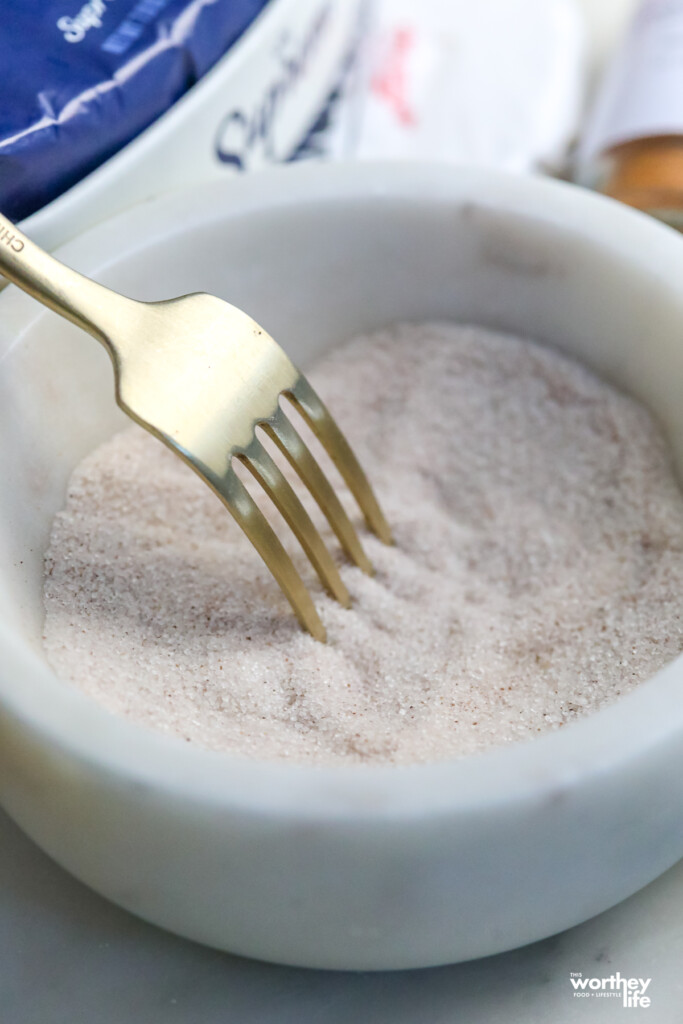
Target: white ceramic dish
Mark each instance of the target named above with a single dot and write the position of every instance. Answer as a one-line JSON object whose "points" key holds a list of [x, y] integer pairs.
{"points": [[359, 867]]}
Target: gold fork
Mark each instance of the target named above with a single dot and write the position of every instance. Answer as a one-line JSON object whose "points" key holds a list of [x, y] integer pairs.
{"points": [[201, 375]]}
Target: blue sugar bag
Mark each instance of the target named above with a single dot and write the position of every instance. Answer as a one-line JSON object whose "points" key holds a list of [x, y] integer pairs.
{"points": [[81, 78]]}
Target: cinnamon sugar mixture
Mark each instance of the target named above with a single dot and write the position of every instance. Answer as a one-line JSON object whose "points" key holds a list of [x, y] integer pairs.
{"points": [[537, 571]]}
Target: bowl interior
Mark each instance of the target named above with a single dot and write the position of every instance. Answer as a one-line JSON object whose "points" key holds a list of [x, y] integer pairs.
{"points": [[316, 258]]}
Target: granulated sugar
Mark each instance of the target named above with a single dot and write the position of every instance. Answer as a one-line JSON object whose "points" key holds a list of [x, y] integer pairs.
{"points": [[536, 574]]}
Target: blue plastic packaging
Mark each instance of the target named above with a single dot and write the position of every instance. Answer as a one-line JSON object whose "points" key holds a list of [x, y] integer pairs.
{"points": [[81, 78]]}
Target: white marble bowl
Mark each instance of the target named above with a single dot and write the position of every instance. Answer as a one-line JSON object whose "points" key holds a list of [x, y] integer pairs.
{"points": [[346, 867]]}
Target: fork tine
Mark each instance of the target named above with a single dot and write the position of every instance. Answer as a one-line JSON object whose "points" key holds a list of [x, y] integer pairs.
{"points": [[337, 447], [259, 462], [290, 443], [250, 518]]}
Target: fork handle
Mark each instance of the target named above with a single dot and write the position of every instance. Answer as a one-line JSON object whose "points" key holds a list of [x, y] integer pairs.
{"points": [[84, 302]]}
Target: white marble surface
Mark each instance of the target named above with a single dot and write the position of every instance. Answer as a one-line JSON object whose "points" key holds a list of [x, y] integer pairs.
{"points": [[68, 956]]}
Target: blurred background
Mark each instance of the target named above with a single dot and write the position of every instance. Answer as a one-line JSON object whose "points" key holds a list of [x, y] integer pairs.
{"points": [[112, 103]]}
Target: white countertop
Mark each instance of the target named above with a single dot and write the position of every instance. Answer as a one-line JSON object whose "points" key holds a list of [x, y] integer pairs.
{"points": [[67, 956]]}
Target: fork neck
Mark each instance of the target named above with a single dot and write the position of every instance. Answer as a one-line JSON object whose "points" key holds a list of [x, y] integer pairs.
{"points": [[87, 304]]}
